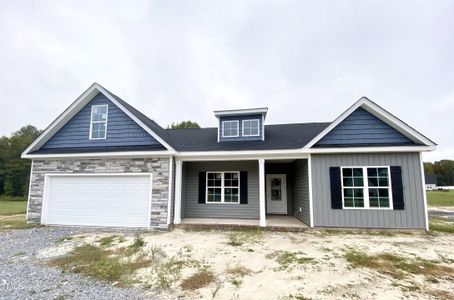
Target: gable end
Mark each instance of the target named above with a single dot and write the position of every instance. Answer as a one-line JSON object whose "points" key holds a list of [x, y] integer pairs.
{"points": [[361, 128], [122, 131]]}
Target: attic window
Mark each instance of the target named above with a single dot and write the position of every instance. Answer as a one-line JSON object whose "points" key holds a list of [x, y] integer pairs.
{"points": [[230, 128], [98, 122], [251, 127]]}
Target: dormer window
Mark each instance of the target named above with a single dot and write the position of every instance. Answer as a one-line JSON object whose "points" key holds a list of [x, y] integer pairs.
{"points": [[98, 122], [251, 127], [230, 128]]}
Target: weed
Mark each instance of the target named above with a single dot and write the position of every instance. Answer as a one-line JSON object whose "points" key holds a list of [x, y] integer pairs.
{"points": [[198, 280], [445, 227], [64, 239], [241, 237], [99, 263], [238, 270], [236, 282], [287, 259], [397, 266], [107, 241]]}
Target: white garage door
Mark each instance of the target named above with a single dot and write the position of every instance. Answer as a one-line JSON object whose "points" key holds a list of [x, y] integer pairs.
{"points": [[97, 200]]}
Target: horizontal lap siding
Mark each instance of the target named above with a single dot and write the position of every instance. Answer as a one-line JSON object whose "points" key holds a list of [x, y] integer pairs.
{"points": [[413, 216], [121, 129], [361, 127], [192, 209], [301, 190]]}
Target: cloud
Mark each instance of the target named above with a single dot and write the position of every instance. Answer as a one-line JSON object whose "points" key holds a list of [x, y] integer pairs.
{"points": [[180, 60]]}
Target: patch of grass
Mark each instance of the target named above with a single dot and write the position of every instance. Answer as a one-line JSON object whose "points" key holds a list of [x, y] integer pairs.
{"points": [[99, 263], [441, 225], [8, 206], [135, 247], [240, 237], [14, 222], [200, 279], [397, 266], [236, 282], [438, 198], [107, 241], [288, 259], [64, 239], [238, 270]]}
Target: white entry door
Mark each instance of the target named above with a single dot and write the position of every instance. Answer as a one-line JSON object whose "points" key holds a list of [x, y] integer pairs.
{"points": [[276, 193]]}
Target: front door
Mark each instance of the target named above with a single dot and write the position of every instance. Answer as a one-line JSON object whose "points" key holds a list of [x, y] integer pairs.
{"points": [[276, 194]]}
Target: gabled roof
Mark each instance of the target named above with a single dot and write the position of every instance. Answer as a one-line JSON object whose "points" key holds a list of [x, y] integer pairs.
{"points": [[381, 114], [279, 136], [147, 124]]}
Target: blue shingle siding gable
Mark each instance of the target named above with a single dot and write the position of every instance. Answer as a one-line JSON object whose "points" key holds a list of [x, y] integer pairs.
{"points": [[240, 119], [361, 128], [122, 131]]}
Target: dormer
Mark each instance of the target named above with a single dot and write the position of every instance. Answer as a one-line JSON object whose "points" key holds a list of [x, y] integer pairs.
{"points": [[241, 124]]}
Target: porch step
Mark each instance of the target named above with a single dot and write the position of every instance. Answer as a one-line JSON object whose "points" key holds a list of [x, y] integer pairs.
{"points": [[203, 226]]}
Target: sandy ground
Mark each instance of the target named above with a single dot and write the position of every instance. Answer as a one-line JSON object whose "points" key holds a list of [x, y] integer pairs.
{"points": [[325, 275]]}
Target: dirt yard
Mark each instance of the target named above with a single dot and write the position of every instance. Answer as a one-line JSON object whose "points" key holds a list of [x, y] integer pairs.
{"points": [[265, 265]]}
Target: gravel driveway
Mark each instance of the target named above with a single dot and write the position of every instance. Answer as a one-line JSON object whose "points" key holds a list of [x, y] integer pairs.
{"points": [[22, 276]]}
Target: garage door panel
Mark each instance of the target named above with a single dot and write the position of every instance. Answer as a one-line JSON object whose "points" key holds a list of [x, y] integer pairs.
{"points": [[98, 200]]}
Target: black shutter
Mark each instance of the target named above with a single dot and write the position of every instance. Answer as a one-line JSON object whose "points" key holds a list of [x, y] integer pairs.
{"points": [[202, 186], [243, 187], [397, 188], [336, 187]]}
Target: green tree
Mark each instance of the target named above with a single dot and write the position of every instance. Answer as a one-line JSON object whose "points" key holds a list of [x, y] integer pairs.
{"points": [[14, 171], [184, 124]]}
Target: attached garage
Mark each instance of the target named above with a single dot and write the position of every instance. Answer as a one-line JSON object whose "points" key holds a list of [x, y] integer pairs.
{"points": [[116, 200]]}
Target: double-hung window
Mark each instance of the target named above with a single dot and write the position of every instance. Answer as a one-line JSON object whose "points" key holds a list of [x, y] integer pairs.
{"points": [[250, 127], [230, 128], [98, 121], [223, 187], [366, 187]]}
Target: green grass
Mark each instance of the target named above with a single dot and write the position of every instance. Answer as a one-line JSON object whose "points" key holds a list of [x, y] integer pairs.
{"points": [[441, 225], [287, 259], [14, 222], [100, 263], [397, 266], [8, 207], [438, 198]]}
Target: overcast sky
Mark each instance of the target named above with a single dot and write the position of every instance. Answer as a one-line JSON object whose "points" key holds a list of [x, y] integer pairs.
{"points": [[178, 60]]}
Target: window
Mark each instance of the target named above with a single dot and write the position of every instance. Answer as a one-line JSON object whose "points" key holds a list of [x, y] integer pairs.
{"points": [[251, 127], [374, 192], [230, 128], [223, 187], [98, 123]]}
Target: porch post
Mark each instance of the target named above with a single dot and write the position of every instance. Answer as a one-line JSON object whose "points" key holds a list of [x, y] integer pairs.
{"points": [[262, 192], [178, 175]]}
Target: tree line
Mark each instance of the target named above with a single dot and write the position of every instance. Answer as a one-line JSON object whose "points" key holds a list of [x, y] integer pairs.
{"points": [[443, 169], [14, 171]]}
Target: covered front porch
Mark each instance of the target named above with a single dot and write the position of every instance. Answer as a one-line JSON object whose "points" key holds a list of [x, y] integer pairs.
{"points": [[272, 193]]}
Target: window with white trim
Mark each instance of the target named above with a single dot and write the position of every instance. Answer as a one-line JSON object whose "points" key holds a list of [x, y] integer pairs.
{"points": [[230, 128], [250, 127], [98, 121], [223, 187], [366, 187]]}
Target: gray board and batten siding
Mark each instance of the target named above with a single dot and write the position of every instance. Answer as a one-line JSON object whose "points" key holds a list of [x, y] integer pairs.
{"points": [[121, 130], [191, 208], [411, 217], [300, 188], [361, 128]]}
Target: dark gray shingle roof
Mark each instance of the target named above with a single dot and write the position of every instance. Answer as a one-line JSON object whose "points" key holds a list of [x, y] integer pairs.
{"points": [[277, 137]]}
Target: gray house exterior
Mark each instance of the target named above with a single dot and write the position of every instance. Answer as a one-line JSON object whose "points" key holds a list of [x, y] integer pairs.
{"points": [[104, 163]]}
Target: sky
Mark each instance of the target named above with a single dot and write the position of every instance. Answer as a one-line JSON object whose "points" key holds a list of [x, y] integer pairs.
{"points": [[307, 61]]}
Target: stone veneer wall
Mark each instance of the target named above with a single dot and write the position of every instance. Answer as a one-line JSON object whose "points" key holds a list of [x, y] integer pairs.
{"points": [[159, 167]]}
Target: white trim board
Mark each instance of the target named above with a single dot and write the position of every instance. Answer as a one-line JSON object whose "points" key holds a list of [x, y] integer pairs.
{"points": [[75, 107], [380, 113]]}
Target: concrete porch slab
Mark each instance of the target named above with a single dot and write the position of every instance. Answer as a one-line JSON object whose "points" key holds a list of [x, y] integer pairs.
{"points": [[274, 223]]}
